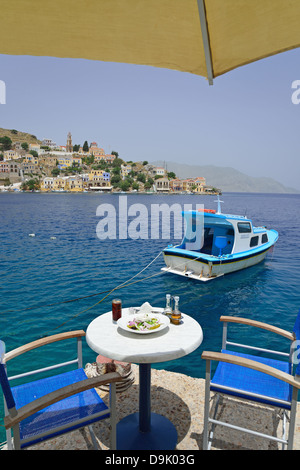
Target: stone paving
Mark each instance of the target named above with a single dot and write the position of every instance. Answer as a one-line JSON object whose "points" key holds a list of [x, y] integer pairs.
{"points": [[181, 399]]}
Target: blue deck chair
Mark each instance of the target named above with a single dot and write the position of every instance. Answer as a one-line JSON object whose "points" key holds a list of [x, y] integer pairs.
{"points": [[55, 405], [254, 377]]}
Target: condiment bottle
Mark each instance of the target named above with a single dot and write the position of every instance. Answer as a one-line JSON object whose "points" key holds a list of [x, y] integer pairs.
{"points": [[168, 309], [176, 314]]}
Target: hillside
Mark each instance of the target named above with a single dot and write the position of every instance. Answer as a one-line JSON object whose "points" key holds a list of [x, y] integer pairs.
{"points": [[18, 136], [227, 179]]}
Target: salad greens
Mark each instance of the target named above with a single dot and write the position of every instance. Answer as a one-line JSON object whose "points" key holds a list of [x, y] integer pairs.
{"points": [[144, 322]]}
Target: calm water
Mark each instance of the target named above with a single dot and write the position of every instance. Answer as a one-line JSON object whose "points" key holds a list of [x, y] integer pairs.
{"points": [[39, 271]]}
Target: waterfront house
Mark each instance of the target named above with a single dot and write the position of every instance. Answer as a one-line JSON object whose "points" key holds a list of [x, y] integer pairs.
{"points": [[196, 185], [199, 182], [60, 183], [162, 184], [176, 185], [74, 184], [98, 178], [189, 184], [99, 174], [85, 180], [47, 184], [65, 183]]}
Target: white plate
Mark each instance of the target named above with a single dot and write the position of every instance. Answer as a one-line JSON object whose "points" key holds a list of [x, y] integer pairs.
{"points": [[123, 321]]}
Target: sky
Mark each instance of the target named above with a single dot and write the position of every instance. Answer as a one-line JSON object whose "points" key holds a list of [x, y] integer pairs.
{"points": [[246, 120]]}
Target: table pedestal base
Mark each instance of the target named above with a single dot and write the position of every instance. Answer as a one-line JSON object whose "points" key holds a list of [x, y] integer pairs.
{"points": [[161, 436]]}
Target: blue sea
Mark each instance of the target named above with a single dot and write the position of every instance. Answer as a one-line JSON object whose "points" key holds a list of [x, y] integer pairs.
{"points": [[40, 274]]}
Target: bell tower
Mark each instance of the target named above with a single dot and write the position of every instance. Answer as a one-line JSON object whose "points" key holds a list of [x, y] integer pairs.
{"points": [[69, 146]]}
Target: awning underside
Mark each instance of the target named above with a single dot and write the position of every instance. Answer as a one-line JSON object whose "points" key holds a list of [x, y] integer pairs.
{"points": [[160, 33]]}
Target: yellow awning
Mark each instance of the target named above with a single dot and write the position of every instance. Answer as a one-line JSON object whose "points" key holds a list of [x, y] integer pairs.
{"points": [[160, 33]]}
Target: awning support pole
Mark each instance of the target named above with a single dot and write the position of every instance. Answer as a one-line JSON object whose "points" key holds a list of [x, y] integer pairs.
{"points": [[203, 23]]}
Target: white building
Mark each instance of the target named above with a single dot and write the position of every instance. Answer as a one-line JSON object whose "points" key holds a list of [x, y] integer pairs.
{"points": [[159, 171], [156, 170], [125, 170], [49, 143]]}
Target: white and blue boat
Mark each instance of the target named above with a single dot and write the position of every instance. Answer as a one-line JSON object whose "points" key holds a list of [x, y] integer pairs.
{"points": [[227, 243]]}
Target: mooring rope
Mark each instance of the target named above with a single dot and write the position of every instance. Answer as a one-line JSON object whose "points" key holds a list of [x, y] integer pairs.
{"points": [[120, 286], [79, 298], [124, 284]]}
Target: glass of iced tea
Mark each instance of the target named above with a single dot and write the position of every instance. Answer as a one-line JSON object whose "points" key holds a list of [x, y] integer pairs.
{"points": [[116, 309]]}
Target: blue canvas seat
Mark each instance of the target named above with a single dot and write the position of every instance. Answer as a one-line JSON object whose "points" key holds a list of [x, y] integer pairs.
{"points": [[48, 407], [259, 378], [250, 380]]}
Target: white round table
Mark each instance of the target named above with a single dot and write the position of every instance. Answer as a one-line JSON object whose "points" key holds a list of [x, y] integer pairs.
{"points": [[144, 430]]}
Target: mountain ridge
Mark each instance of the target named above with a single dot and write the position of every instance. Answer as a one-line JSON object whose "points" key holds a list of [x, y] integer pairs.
{"points": [[227, 179]]}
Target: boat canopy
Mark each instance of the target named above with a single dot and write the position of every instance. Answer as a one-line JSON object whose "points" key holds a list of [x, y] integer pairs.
{"points": [[217, 234]]}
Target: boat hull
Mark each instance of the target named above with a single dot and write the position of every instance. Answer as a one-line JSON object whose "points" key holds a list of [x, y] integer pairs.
{"points": [[203, 268]]}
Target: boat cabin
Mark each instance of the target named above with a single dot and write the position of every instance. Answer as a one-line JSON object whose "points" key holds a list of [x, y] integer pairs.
{"points": [[220, 234]]}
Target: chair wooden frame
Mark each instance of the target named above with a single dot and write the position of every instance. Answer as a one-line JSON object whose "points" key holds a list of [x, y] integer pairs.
{"points": [[14, 416], [294, 382]]}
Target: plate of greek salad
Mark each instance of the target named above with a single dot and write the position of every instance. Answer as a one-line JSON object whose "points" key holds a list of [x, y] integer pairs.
{"points": [[143, 323]]}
